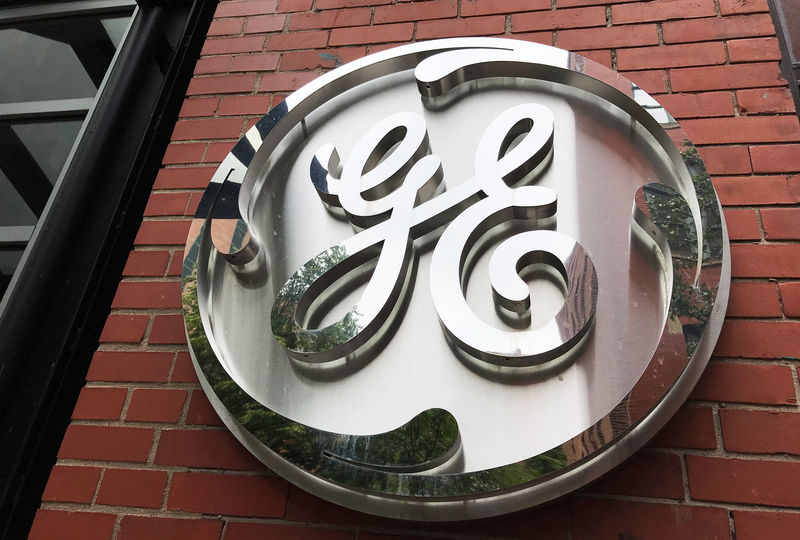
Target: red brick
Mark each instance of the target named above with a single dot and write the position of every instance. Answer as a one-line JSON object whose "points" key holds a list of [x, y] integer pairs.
{"points": [[201, 412], [730, 76], [71, 484], [330, 19], [754, 50], [298, 40], [147, 294], [772, 525], [167, 204], [742, 224], [223, 84], [50, 524], [743, 129], [726, 159], [140, 527], [416, 11], [759, 339], [470, 8], [691, 427], [734, 7], [204, 449], [146, 263], [183, 153], [647, 474], [99, 404], [199, 107], [545, 38], [168, 329], [746, 383], [753, 299], [251, 496], [764, 100], [287, 6], [194, 203], [129, 366], [226, 27], [238, 9], [162, 232], [474, 26], [760, 432], [608, 37], [241, 105], [667, 56], [215, 153], [176, 265], [233, 45], [781, 223], [765, 260], [304, 507], [372, 34], [185, 177], [106, 443], [333, 4], [744, 481], [255, 62], [213, 64], [155, 405], [574, 3], [562, 18], [599, 518], [213, 128], [652, 81], [738, 26], [601, 57], [139, 488], [552, 523], [790, 295], [297, 60], [292, 80], [239, 530], [184, 369], [776, 158], [124, 328], [752, 190], [661, 10], [265, 23]]}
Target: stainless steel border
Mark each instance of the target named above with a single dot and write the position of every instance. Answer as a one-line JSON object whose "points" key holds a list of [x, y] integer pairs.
{"points": [[395, 489]]}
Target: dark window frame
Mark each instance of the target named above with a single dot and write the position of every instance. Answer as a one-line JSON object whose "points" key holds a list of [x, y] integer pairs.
{"points": [[53, 315], [784, 13]]}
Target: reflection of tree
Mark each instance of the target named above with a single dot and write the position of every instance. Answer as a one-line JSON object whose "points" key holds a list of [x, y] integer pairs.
{"points": [[308, 280], [428, 436], [692, 299]]}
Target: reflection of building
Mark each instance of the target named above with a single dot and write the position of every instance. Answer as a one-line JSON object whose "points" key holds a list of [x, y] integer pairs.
{"points": [[143, 444]]}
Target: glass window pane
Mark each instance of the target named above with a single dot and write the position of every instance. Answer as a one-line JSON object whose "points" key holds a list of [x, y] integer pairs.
{"points": [[49, 143], [13, 209], [31, 157], [9, 259], [57, 59], [115, 28]]}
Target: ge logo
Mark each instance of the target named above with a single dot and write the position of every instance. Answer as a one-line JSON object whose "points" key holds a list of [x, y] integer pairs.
{"points": [[398, 196], [357, 279]]}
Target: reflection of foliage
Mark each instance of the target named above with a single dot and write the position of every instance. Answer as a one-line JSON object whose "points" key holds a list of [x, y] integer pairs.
{"points": [[692, 299], [677, 218], [307, 281], [428, 436], [431, 434]]}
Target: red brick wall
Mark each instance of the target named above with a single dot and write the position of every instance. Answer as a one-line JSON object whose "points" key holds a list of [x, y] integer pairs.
{"points": [[146, 457]]}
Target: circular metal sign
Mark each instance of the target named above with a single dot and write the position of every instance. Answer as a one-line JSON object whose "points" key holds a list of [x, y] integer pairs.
{"points": [[455, 279]]}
